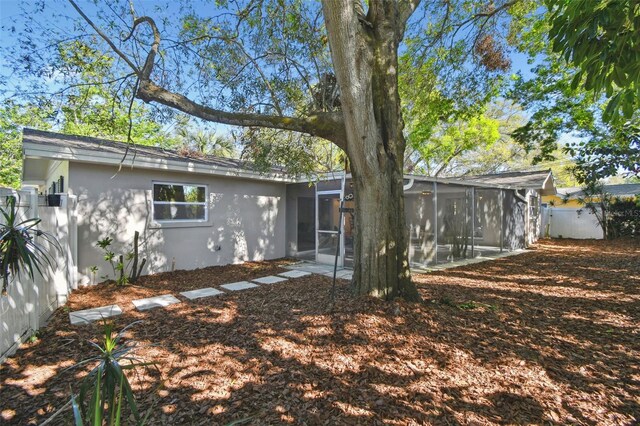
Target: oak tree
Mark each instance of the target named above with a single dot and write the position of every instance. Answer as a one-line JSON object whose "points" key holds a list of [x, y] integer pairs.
{"points": [[328, 71]]}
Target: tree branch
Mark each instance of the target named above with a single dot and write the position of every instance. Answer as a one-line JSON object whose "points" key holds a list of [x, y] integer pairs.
{"points": [[326, 125], [124, 57], [407, 7], [145, 74]]}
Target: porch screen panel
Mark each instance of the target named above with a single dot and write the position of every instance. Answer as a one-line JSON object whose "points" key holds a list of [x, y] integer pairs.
{"points": [[487, 222], [514, 221], [454, 222], [301, 221], [420, 217], [349, 219]]}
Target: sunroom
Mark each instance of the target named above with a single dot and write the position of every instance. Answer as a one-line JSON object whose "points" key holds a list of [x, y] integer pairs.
{"points": [[447, 220]]}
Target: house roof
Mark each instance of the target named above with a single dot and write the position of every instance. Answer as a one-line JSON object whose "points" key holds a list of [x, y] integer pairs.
{"points": [[620, 190], [538, 179], [43, 144]]}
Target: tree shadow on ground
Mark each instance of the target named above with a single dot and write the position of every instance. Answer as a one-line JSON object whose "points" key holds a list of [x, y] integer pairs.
{"points": [[519, 353]]}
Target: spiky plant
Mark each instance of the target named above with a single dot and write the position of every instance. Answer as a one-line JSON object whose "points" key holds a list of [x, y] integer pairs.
{"points": [[104, 390], [20, 250]]}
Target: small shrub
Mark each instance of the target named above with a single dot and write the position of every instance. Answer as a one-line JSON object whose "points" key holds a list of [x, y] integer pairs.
{"points": [[126, 268], [104, 390]]}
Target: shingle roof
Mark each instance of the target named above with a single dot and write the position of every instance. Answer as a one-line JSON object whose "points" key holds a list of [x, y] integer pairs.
{"points": [[619, 190], [532, 179], [120, 148]]}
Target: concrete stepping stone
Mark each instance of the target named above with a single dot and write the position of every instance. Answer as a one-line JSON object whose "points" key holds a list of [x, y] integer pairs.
{"points": [[312, 267], [155, 302], [203, 292], [242, 285], [295, 273], [89, 315], [344, 274], [269, 280]]}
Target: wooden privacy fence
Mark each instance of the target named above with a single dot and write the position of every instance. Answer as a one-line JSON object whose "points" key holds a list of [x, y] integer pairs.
{"points": [[30, 303]]}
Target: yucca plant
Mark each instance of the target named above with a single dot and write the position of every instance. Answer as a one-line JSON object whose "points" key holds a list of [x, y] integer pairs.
{"points": [[20, 251], [106, 390]]}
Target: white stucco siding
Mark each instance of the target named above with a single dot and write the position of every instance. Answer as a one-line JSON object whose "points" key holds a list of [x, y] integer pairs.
{"points": [[246, 219]]}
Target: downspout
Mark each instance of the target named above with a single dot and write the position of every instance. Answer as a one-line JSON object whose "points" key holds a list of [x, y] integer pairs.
{"points": [[517, 194], [409, 185]]}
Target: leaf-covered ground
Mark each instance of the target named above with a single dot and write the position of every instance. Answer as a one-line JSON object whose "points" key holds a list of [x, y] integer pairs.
{"points": [[548, 337]]}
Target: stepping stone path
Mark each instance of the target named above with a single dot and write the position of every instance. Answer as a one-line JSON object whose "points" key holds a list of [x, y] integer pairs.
{"points": [[88, 315], [269, 280], [154, 302], [203, 292], [295, 273], [242, 285], [344, 274]]}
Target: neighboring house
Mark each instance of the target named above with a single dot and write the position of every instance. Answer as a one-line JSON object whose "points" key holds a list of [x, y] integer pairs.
{"points": [[570, 197], [564, 216], [200, 211]]}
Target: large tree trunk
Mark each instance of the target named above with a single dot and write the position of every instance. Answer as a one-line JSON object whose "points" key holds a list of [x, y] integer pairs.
{"points": [[364, 52]]}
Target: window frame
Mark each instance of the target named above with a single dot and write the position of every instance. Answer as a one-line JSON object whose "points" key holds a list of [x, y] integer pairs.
{"points": [[165, 222]]}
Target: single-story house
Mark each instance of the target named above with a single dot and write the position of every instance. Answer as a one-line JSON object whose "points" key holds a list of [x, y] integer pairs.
{"points": [[197, 211], [570, 197]]}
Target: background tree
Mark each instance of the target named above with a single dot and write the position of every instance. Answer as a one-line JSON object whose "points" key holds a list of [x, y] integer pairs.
{"points": [[270, 65], [597, 201], [13, 116], [600, 38], [583, 85]]}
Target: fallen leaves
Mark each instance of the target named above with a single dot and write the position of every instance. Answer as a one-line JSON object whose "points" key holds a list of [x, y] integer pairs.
{"points": [[550, 336]]}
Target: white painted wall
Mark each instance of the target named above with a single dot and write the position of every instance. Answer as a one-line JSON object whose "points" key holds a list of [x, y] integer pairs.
{"points": [[246, 219], [563, 222]]}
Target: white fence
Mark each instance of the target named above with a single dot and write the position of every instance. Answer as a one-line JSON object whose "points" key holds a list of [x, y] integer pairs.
{"points": [[30, 303], [561, 222]]}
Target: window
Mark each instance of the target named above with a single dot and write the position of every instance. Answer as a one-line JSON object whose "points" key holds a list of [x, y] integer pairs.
{"points": [[177, 202], [533, 204]]}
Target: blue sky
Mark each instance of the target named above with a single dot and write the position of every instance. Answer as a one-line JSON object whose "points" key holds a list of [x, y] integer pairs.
{"points": [[10, 15]]}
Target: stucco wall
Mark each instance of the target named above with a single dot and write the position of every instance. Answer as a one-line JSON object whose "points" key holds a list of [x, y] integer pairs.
{"points": [[246, 219]]}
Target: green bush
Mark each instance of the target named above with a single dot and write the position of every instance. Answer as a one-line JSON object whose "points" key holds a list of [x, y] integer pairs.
{"points": [[624, 218]]}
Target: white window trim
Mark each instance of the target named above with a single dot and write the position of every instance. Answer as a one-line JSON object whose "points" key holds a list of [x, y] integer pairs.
{"points": [[178, 203]]}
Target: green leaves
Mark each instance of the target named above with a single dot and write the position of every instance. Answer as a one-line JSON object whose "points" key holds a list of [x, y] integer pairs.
{"points": [[106, 382], [20, 252], [600, 37]]}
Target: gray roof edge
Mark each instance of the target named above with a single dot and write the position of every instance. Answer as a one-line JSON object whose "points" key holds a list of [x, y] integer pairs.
{"points": [[151, 154]]}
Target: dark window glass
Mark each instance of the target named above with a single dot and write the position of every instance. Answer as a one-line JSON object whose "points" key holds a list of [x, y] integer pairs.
{"points": [[178, 193], [179, 202]]}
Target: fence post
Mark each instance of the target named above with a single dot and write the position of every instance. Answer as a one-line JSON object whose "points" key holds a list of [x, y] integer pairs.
{"points": [[33, 285], [72, 205]]}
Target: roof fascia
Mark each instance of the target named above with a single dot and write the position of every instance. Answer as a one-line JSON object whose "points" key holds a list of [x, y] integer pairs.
{"points": [[56, 152]]}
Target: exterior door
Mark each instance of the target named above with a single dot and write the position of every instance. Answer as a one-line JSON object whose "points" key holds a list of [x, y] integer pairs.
{"points": [[328, 221]]}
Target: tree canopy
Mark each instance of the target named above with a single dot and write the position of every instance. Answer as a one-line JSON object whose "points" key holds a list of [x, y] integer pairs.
{"points": [[349, 72]]}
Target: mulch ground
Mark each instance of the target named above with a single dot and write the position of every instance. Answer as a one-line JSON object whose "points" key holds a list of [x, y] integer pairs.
{"points": [[547, 337]]}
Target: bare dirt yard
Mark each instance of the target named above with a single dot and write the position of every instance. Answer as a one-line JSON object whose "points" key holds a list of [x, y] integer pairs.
{"points": [[547, 337]]}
